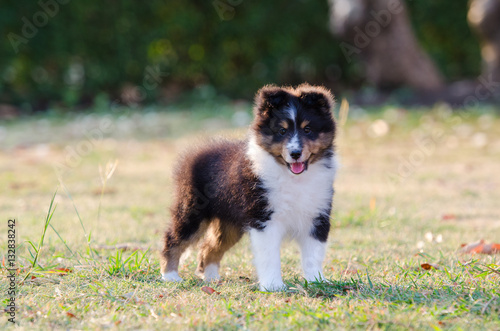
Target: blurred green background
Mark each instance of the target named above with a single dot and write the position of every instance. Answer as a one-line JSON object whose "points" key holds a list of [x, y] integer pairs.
{"points": [[94, 50]]}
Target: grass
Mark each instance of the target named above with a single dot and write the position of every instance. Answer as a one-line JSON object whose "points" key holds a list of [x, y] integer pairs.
{"points": [[413, 187]]}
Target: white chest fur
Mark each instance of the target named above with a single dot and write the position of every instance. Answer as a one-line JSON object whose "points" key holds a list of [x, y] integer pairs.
{"points": [[294, 199]]}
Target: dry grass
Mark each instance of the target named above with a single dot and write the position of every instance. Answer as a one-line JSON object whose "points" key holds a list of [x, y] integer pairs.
{"points": [[390, 193]]}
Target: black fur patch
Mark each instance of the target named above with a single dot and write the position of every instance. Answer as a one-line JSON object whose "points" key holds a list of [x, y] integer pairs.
{"points": [[328, 154], [270, 97], [321, 226], [315, 100]]}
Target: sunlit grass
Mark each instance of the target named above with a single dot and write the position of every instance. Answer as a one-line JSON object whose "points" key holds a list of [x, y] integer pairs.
{"points": [[380, 236]]}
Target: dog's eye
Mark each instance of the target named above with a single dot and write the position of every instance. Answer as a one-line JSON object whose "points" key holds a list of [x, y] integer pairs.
{"points": [[307, 130], [282, 131]]}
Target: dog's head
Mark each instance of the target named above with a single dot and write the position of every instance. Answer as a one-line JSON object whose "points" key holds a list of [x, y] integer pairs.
{"points": [[295, 125]]}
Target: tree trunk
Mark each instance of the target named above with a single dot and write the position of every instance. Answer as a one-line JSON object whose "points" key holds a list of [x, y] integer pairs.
{"points": [[380, 33], [484, 17]]}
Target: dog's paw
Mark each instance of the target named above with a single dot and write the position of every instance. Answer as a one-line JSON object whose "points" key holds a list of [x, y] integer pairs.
{"points": [[211, 273], [171, 276], [273, 287]]}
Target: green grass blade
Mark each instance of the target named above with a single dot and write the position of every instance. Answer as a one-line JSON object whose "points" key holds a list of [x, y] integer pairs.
{"points": [[48, 218], [87, 237], [64, 242]]}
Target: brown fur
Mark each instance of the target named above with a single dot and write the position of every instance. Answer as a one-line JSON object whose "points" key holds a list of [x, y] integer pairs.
{"points": [[274, 149], [315, 148], [217, 241], [171, 254]]}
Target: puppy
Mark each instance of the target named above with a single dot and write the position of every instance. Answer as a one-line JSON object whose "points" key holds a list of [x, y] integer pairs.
{"points": [[276, 184]]}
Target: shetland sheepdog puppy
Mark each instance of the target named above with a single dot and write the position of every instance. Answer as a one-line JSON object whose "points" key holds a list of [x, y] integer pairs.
{"points": [[275, 184]]}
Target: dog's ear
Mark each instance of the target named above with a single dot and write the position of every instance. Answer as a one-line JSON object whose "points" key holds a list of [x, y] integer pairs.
{"points": [[270, 97], [316, 97]]}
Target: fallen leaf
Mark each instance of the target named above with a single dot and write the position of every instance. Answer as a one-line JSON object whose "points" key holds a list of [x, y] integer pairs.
{"points": [[480, 247], [60, 271], [373, 203], [429, 266], [426, 266], [66, 270], [70, 314], [160, 296], [448, 217], [208, 290], [3, 261]]}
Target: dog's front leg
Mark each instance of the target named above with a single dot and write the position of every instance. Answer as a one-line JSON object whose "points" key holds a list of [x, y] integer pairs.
{"points": [[266, 245], [313, 247], [313, 254]]}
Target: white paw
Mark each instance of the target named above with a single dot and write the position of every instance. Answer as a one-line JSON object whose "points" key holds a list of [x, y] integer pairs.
{"points": [[171, 276], [211, 273], [272, 286]]}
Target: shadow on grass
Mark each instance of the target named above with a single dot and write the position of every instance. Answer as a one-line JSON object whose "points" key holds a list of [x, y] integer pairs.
{"points": [[454, 298]]}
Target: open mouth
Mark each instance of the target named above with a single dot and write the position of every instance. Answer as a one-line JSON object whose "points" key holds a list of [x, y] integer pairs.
{"points": [[297, 167]]}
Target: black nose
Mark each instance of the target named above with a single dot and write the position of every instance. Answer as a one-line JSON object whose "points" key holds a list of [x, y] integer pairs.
{"points": [[296, 154]]}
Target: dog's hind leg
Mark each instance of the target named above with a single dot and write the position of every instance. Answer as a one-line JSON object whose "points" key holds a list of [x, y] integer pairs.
{"points": [[183, 232], [219, 238]]}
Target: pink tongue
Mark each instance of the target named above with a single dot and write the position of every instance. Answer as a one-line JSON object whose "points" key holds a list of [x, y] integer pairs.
{"points": [[297, 167]]}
